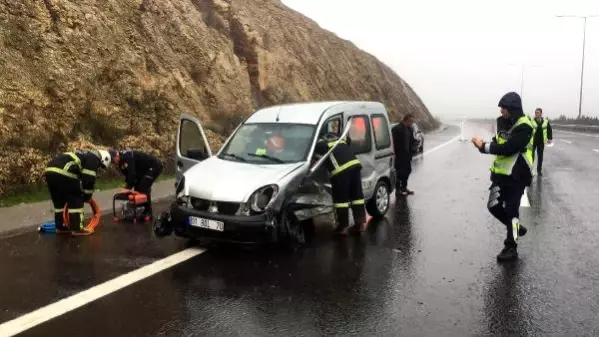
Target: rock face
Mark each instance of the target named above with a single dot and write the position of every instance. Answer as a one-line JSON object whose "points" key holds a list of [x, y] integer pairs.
{"points": [[82, 73]]}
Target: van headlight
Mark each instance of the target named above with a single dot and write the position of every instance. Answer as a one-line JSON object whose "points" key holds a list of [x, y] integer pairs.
{"points": [[263, 197]]}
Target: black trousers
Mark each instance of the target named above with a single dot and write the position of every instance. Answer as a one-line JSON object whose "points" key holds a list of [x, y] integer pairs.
{"points": [[66, 191], [504, 204], [347, 192], [144, 185], [403, 169], [538, 148]]}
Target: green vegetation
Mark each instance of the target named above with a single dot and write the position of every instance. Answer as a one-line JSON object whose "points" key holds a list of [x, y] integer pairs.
{"points": [[40, 192]]}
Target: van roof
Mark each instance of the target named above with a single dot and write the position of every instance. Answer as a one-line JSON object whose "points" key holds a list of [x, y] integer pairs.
{"points": [[299, 113]]}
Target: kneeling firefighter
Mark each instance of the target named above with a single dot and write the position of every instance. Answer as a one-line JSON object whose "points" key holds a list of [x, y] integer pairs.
{"points": [[71, 178], [141, 171], [511, 172], [346, 182]]}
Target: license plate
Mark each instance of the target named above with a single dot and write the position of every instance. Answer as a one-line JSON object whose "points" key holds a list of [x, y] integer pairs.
{"points": [[207, 223]]}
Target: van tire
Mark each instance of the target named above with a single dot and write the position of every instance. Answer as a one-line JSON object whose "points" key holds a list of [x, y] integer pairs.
{"points": [[293, 234], [378, 205]]}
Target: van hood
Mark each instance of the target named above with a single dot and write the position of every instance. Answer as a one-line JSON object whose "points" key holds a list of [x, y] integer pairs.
{"points": [[229, 181]]}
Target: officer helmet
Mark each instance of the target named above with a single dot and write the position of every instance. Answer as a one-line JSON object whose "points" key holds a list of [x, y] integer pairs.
{"points": [[105, 158]]}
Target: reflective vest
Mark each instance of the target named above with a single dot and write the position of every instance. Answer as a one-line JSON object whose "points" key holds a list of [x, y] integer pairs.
{"points": [[535, 125], [504, 164]]}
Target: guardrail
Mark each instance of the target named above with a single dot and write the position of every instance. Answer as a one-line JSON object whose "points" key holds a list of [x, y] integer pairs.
{"points": [[574, 127]]}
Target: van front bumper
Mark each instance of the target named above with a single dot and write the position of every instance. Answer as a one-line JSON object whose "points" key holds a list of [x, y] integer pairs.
{"points": [[237, 229]]}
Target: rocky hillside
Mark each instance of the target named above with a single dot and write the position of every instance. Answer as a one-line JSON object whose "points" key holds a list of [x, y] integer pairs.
{"points": [[77, 73]]}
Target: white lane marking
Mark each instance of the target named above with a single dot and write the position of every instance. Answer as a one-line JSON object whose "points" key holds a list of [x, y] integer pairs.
{"points": [[524, 202], [566, 141], [73, 302], [596, 150], [577, 133], [437, 147]]}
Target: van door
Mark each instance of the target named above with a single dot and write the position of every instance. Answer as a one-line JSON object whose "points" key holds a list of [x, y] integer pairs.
{"points": [[360, 135], [383, 147], [192, 144]]}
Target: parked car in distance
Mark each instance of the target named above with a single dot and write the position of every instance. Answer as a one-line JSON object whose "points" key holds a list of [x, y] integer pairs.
{"points": [[263, 185], [418, 146]]}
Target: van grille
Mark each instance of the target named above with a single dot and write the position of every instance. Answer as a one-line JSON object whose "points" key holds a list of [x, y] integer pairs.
{"points": [[226, 208]]}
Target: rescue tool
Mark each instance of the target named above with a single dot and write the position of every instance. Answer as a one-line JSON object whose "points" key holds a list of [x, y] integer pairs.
{"points": [[90, 228]]}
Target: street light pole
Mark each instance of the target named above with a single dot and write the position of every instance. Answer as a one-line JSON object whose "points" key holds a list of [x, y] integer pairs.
{"points": [[584, 37]]}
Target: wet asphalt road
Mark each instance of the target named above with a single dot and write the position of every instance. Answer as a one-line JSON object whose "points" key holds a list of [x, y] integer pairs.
{"points": [[429, 269]]}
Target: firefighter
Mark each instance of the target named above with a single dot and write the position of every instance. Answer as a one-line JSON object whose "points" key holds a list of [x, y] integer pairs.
{"points": [[141, 171], [543, 134], [346, 182], [71, 179], [511, 172]]}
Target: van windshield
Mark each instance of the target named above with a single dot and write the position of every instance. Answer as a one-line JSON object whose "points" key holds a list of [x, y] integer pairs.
{"points": [[269, 143]]}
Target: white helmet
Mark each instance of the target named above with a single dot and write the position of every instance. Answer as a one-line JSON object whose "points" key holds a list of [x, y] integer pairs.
{"points": [[105, 158]]}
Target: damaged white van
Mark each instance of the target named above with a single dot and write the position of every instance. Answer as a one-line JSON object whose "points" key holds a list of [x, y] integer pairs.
{"points": [[263, 186]]}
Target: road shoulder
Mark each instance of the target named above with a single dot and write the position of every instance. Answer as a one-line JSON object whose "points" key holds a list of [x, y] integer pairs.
{"points": [[25, 217]]}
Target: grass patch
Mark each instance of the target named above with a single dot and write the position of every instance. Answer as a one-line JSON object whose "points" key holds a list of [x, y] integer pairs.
{"points": [[39, 193]]}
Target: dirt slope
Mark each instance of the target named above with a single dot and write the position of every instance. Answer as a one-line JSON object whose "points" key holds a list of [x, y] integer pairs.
{"points": [[77, 73]]}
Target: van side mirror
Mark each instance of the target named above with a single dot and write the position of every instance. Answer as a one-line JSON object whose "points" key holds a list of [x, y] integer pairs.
{"points": [[197, 154]]}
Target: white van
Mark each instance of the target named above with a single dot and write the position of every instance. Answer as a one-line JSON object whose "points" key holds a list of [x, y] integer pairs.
{"points": [[246, 194]]}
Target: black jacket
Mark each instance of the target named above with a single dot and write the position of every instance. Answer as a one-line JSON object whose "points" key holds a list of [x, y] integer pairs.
{"points": [[134, 165], [516, 143], [342, 154], [539, 131], [87, 173], [403, 139]]}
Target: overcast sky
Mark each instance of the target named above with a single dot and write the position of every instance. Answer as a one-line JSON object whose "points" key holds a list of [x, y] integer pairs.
{"points": [[461, 56]]}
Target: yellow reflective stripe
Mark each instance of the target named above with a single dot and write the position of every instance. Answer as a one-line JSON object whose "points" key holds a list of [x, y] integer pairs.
{"points": [[341, 205], [75, 210], [58, 210], [260, 152], [88, 191], [345, 166], [61, 171], [358, 202], [88, 172], [331, 144]]}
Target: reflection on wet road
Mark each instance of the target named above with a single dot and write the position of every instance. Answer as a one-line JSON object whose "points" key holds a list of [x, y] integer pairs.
{"points": [[428, 269]]}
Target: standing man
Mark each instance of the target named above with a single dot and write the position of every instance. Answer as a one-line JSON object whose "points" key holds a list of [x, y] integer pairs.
{"points": [[511, 171], [71, 178], [403, 138], [542, 135], [141, 171], [346, 182]]}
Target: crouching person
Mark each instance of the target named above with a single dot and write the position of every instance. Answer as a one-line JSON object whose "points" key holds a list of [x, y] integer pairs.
{"points": [[141, 171]]}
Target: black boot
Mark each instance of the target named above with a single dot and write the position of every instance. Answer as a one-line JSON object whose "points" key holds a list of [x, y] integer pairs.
{"points": [[508, 253], [522, 230]]}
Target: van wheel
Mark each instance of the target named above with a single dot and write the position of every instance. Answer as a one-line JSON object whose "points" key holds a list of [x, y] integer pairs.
{"points": [[294, 236], [378, 205]]}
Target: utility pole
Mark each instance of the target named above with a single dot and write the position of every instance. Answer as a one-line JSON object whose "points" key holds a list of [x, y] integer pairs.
{"points": [[584, 37]]}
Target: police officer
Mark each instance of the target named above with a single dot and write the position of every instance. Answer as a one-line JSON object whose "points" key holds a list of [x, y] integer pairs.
{"points": [[141, 171], [71, 178], [346, 182], [543, 134], [511, 171]]}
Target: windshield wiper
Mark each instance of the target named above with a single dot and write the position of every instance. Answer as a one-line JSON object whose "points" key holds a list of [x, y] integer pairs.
{"points": [[235, 156], [267, 157]]}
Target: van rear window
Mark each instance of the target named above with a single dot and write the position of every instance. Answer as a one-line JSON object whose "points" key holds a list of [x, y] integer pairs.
{"points": [[382, 138]]}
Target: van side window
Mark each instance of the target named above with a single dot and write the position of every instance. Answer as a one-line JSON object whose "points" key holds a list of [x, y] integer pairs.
{"points": [[333, 126], [191, 142], [382, 138], [359, 134]]}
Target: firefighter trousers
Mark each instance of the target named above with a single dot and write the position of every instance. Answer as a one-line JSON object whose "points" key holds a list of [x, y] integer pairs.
{"points": [[347, 192], [144, 185], [66, 191]]}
